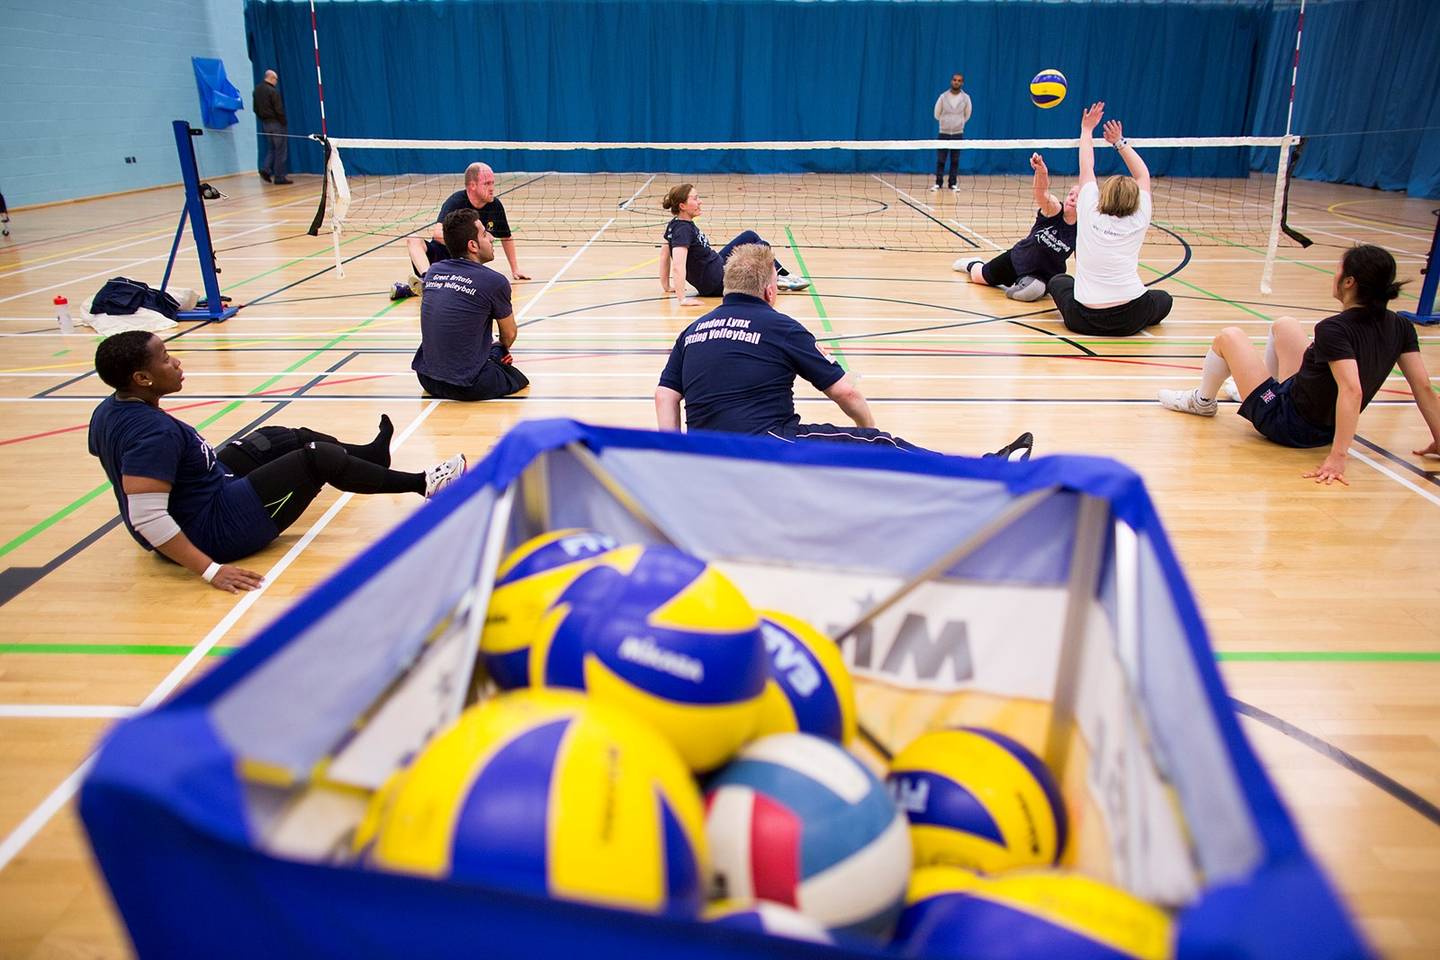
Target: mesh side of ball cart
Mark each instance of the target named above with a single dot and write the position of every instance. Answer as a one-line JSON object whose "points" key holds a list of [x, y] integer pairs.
{"points": [[1040, 600]]}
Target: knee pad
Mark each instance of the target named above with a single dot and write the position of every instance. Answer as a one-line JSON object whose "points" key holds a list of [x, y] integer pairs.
{"points": [[1026, 289], [326, 461]]}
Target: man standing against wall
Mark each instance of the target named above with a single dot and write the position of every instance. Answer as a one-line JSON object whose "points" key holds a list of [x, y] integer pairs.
{"points": [[952, 109], [270, 108]]}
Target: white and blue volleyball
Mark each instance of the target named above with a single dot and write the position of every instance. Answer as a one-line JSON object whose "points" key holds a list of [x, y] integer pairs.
{"points": [[665, 636], [800, 821], [771, 919], [526, 583]]}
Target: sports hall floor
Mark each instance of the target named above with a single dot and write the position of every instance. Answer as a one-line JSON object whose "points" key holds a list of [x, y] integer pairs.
{"points": [[1323, 602]]}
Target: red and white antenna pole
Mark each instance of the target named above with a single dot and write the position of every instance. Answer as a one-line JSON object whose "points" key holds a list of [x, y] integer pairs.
{"points": [[1294, 67], [320, 83]]}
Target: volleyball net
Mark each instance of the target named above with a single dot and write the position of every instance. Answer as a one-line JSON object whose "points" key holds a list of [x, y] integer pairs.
{"points": [[842, 194]]}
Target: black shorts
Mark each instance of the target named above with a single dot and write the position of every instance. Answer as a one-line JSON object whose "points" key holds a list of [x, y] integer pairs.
{"points": [[1000, 272], [434, 252], [1271, 410]]}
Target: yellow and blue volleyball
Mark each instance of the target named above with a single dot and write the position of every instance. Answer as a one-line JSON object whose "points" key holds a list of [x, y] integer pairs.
{"points": [[759, 916], [666, 636], [980, 800], [951, 912], [526, 583], [1047, 89], [810, 689], [548, 792], [800, 821]]}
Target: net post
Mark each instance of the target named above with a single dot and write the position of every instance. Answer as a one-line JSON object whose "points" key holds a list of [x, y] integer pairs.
{"points": [[215, 308], [1282, 173], [1424, 311]]}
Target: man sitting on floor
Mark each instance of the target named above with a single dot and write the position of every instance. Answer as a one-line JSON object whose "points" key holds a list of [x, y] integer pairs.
{"points": [[478, 195], [456, 359], [735, 368]]}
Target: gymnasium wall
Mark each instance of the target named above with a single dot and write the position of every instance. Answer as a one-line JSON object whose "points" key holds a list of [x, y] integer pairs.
{"points": [[686, 70], [90, 82], [1365, 65]]}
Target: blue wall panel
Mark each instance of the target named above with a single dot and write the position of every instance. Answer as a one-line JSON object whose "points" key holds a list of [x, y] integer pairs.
{"points": [[90, 82]]}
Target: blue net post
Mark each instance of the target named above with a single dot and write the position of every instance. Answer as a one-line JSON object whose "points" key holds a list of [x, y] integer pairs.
{"points": [[215, 308], [1424, 311]]}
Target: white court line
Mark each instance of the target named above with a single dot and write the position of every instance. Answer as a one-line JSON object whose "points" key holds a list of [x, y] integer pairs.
{"points": [[587, 398], [1308, 229], [101, 273], [921, 203], [1404, 481], [159, 236], [62, 711], [33, 823]]}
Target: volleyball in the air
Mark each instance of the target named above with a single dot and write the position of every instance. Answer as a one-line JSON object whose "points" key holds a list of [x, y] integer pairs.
{"points": [[980, 800], [809, 690], [800, 821], [769, 918], [951, 912], [549, 792], [1047, 89], [666, 636], [526, 583]]}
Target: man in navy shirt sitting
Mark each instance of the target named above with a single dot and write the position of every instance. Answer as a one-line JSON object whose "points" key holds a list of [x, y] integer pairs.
{"points": [[735, 368], [478, 195], [456, 359]]}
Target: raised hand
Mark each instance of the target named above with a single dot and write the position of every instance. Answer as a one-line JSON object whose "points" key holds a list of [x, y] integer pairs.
{"points": [[1090, 119], [1037, 163], [1113, 133]]}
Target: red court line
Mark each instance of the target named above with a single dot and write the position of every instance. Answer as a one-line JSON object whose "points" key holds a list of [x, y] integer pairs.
{"points": [[190, 406]]}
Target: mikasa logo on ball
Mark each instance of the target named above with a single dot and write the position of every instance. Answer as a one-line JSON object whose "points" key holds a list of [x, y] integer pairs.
{"points": [[912, 796], [644, 651]]}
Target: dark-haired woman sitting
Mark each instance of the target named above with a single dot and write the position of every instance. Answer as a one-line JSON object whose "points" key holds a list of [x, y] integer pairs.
{"points": [[204, 509], [687, 257], [1304, 394]]}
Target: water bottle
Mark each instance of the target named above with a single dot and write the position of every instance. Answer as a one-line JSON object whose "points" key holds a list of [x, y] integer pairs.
{"points": [[62, 315]]}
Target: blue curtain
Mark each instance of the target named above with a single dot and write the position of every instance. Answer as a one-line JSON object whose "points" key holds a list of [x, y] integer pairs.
{"points": [[687, 70], [1366, 96]]}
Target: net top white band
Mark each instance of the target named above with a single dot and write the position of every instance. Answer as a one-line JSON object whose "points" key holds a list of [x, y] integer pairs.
{"points": [[490, 145]]}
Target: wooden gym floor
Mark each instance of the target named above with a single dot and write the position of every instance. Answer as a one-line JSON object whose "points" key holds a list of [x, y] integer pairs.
{"points": [[1322, 601]]}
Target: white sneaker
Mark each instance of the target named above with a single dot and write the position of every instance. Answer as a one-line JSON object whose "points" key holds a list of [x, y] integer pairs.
{"points": [[443, 474], [792, 282], [934, 187], [1187, 401], [954, 188], [1229, 391]]}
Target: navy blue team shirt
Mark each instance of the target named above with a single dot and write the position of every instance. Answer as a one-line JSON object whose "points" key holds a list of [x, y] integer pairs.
{"points": [[1043, 252], [492, 215], [220, 513], [704, 270], [736, 367], [462, 300]]}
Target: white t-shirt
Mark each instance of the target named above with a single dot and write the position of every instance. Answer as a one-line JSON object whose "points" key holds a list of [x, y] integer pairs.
{"points": [[1107, 250]]}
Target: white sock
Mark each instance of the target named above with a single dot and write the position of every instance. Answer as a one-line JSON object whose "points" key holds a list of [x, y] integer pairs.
{"points": [[1272, 361], [1213, 376]]}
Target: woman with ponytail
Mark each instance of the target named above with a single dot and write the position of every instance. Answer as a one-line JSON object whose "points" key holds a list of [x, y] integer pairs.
{"points": [[687, 257], [1310, 394]]}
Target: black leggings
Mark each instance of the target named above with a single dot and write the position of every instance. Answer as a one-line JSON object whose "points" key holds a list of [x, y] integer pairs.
{"points": [[1124, 320], [289, 466]]}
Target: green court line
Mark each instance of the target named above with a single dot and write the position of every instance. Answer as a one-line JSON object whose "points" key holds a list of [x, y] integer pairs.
{"points": [[112, 649], [70, 508], [318, 253], [1240, 246], [1270, 656], [815, 297], [60, 353], [1212, 295]]}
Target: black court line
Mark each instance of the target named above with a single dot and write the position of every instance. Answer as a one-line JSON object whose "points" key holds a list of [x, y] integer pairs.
{"points": [[91, 372], [941, 224], [16, 580], [1352, 763], [1398, 460]]}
